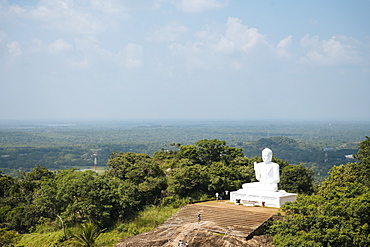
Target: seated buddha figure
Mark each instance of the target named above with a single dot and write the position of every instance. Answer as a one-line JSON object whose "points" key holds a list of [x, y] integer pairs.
{"points": [[267, 174]]}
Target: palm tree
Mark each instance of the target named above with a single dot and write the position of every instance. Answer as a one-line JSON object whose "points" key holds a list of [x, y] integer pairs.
{"points": [[87, 234]]}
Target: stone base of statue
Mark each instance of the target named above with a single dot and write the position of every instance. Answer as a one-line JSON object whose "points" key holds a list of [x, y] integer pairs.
{"points": [[255, 197]]}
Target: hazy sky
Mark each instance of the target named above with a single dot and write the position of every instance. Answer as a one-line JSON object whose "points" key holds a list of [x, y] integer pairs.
{"points": [[185, 59]]}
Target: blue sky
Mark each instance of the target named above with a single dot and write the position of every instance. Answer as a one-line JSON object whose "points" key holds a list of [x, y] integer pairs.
{"points": [[185, 59]]}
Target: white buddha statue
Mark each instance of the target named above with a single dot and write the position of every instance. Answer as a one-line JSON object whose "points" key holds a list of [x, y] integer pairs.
{"points": [[267, 173]]}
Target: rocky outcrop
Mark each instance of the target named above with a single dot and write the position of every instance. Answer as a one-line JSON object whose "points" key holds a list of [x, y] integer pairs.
{"points": [[221, 224], [201, 238]]}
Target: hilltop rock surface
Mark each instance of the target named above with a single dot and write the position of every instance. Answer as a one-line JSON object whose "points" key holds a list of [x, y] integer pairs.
{"points": [[222, 224]]}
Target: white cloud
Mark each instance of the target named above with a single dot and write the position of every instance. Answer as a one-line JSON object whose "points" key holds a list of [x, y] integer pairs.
{"points": [[14, 49], [82, 64], [133, 56], [170, 32], [176, 48], [235, 37], [337, 50], [15, 9], [282, 51], [157, 4], [200, 5], [109, 7], [192, 56], [233, 46], [285, 43], [307, 41], [59, 46], [77, 17], [91, 45], [243, 37], [224, 45], [64, 16]]}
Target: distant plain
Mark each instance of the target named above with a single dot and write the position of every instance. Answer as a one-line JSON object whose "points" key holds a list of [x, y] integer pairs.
{"points": [[67, 144]]}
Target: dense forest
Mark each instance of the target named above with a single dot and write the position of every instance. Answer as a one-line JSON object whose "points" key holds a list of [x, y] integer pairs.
{"points": [[337, 214]]}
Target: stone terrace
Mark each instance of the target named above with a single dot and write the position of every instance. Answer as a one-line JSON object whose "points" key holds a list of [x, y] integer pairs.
{"points": [[222, 224], [221, 217]]}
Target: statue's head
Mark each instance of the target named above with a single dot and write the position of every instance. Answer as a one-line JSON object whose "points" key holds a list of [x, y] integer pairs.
{"points": [[267, 155]]}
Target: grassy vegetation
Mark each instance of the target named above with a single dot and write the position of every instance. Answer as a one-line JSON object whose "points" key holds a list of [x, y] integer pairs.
{"points": [[146, 221], [41, 239]]}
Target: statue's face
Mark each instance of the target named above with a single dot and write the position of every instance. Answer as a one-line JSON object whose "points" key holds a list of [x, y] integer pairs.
{"points": [[266, 155]]}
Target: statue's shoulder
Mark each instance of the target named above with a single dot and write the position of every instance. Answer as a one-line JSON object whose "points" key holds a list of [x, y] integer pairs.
{"points": [[275, 164]]}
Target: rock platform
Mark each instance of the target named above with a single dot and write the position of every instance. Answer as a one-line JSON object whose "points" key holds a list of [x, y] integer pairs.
{"points": [[222, 224]]}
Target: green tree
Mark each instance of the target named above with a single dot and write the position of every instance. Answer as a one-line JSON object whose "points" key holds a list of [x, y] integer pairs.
{"points": [[205, 152], [38, 173], [296, 179], [142, 172], [8, 237], [72, 195], [17, 208], [245, 170], [189, 152], [226, 177], [6, 182], [362, 170], [336, 216], [188, 181], [80, 195]]}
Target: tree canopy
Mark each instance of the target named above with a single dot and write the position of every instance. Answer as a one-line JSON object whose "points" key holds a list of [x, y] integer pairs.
{"points": [[132, 182], [337, 215]]}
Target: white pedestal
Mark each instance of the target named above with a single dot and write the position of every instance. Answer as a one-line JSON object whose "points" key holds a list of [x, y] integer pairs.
{"points": [[262, 198]]}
